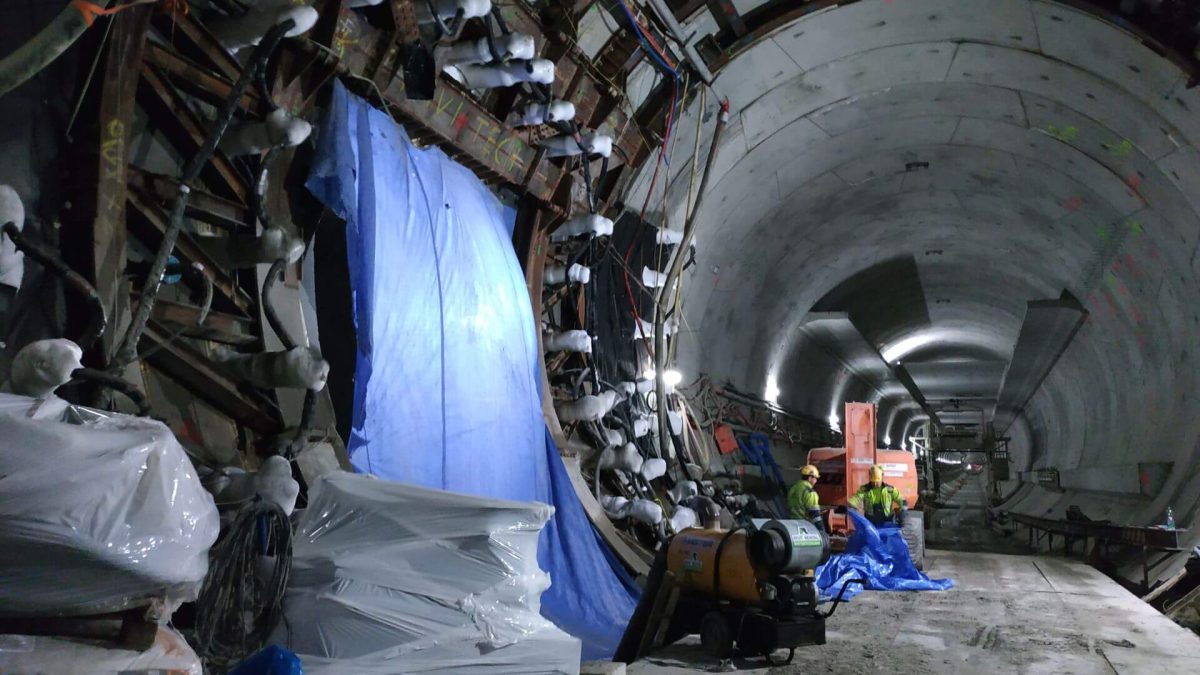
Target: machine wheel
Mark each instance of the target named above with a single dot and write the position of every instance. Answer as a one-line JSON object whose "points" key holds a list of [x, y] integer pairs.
{"points": [[715, 635], [914, 534]]}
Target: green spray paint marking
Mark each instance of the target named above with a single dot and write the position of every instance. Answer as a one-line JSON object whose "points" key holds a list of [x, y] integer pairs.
{"points": [[1066, 135], [1102, 232], [1122, 149]]}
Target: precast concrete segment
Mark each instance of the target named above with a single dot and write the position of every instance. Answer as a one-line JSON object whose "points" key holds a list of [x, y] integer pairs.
{"points": [[1006, 614], [1014, 149]]}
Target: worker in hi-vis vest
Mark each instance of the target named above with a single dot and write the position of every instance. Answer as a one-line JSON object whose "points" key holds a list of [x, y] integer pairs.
{"points": [[802, 498], [879, 502]]}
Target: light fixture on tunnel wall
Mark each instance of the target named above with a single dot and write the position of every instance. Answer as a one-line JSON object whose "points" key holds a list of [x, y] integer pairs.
{"points": [[834, 423], [887, 441], [671, 378], [771, 393], [898, 350]]}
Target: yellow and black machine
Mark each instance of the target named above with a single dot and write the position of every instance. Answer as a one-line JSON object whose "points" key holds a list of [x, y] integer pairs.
{"points": [[749, 590]]}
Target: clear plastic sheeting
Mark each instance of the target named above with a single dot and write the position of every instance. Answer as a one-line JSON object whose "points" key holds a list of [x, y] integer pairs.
{"points": [[447, 375], [879, 555], [99, 512], [30, 654], [394, 578]]}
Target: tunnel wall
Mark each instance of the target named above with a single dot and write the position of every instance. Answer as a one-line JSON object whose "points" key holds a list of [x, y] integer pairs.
{"points": [[1016, 149]]}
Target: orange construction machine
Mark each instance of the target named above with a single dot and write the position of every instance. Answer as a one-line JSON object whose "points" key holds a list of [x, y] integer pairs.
{"points": [[845, 470]]}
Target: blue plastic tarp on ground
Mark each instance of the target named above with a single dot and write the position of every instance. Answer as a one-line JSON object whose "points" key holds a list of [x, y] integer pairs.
{"points": [[879, 555], [447, 381]]}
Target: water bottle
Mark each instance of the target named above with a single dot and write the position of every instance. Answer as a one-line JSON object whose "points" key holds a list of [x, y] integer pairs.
{"points": [[1170, 519]]}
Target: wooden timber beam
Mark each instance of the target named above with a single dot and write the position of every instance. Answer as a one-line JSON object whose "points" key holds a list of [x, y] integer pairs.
{"points": [[97, 176], [209, 381]]}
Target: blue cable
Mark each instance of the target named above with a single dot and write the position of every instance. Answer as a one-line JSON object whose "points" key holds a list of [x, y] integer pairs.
{"points": [[674, 73]]}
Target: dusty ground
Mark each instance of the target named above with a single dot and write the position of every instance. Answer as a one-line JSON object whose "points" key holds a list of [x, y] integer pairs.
{"points": [[1006, 614]]}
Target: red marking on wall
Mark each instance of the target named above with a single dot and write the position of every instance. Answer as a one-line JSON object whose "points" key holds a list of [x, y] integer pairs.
{"points": [[1134, 181], [460, 122], [189, 432], [1145, 479], [1072, 203]]}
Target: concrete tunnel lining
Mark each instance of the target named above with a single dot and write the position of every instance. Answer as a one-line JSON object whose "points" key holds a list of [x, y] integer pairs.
{"points": [[1061, 156]]}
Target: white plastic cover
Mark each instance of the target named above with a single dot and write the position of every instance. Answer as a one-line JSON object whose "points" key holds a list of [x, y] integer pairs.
{"points": [[99, 512], [170, 653], [393, 578]]}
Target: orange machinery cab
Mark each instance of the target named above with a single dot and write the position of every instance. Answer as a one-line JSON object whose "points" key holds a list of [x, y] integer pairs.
{"points": [[845, 470]]}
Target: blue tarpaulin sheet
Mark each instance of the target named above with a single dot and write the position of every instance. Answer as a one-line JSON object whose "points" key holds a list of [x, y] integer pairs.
{"points": [[447, 380], [879, 555]]}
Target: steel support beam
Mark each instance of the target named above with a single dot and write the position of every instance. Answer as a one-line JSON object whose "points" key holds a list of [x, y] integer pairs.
{"points": [[1046, 332]]}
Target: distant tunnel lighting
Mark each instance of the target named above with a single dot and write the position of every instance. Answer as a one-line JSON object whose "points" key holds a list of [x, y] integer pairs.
{"points": [[771, 393], [670, 377], [906, 346], [944, 460], [887, 440], [833, 422]]}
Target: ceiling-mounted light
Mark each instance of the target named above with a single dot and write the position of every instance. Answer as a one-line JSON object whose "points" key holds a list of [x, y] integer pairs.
{"points": [[887, 441]]}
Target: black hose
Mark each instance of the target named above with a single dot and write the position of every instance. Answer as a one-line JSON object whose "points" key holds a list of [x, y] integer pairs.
{"points": [[587, 175], [196, 271], [838, 600], [500, 20], [308, 412], [127, 352], [235, 613], [491, 40], [50, 260], [116, 384], [273, 320]]}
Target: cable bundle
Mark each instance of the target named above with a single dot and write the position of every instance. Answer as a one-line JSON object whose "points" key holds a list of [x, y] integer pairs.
{"points": [[237, 610]]}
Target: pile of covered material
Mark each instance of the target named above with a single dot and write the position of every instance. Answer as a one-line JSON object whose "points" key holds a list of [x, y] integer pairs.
{"points": [[878, 555], [392, 578], [99, 513]]}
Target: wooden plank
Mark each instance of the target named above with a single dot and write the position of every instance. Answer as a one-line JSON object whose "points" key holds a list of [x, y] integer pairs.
{"points": [[96, 211], [186, 132], [200, 82], [218, 326], [202, 205], [149, 213], [199, 374]]}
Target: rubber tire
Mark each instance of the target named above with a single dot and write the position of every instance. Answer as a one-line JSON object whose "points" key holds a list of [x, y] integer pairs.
{"points": [[716, 636], [914, 535]]}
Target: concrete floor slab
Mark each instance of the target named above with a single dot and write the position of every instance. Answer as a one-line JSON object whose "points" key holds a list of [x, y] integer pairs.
{"points": [[1007, 614]]}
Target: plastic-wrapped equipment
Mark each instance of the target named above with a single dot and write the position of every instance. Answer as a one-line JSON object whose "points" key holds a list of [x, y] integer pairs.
{"points": [[99, 512], [28, 654], [394, 578], [879, 555]]}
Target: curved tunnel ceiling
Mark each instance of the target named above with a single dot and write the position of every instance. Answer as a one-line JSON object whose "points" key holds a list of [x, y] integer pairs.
{"points": [[1005, 151]]}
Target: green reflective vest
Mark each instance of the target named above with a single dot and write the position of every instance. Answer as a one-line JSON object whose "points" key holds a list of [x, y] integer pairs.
{"points": [[877, 503], [803, 503]]}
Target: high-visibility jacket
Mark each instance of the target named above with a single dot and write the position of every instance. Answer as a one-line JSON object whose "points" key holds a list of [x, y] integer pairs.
{"points": [[803, 503], [878, 504]]}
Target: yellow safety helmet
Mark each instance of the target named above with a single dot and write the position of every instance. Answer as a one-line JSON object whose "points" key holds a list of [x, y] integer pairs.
{"points": [[810, 470], [877, 473]]}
